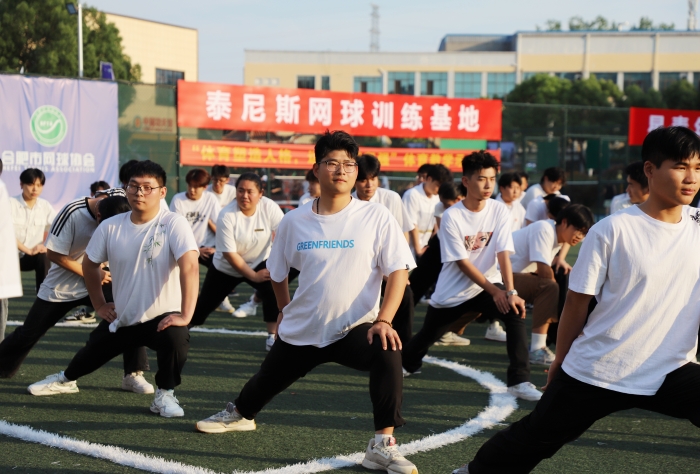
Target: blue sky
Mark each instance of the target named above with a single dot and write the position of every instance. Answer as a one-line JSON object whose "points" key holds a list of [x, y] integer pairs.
{"points": [[228, 27]]}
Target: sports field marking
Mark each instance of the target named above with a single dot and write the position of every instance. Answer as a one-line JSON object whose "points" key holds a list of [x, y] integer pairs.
{"points": [[197, 329]]}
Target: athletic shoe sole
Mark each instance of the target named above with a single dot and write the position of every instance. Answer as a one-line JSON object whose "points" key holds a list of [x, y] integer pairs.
{"points": [[46, 393], [224, 429], [139, 390], [366, 463], [157, 411]]}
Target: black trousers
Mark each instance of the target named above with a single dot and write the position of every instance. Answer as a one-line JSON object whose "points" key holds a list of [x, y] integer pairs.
{"points": [[217, 285], [403, 320], [42, 316], [286, 363], [427, 270], [39, 263], [439, 320], [171, 346], [569, 407]]}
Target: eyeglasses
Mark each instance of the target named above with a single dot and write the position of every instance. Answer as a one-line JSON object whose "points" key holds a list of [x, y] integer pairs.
{"points": [[145, 189], [348, 166]]}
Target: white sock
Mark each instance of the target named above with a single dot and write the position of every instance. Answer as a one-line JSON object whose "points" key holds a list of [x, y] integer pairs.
{"points": [[379, 438], [538, 341], [62, 378]]}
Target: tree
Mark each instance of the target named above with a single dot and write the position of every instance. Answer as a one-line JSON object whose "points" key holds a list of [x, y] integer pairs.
{"points": [[540, 89], [681, 95], [636, 97], [646, 23], [600, 23], [40, 37]]}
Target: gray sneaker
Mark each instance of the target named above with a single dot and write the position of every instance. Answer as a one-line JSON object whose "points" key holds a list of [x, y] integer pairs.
{"points": [[452, 339], [227, 420], [386, 457], [542, 356], [462, 470]]}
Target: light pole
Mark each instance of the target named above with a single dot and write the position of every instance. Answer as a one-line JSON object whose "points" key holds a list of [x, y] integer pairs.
{"points": [[79, 12]]}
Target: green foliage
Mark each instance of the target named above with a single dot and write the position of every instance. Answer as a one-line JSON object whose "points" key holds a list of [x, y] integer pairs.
{"points": [[541, 89], [636, 97], [599, 23], [41, 37], [646, 23], [681, 95]]}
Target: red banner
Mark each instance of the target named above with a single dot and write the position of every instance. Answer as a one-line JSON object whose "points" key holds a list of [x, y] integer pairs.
{"points": [[643, 121], [287, 156], [267, 109]]}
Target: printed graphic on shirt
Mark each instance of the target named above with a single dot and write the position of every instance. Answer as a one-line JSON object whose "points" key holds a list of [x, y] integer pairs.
{"points": [[696, 217], [326, 244], [475, 243], [194, 217], [155, 241]]}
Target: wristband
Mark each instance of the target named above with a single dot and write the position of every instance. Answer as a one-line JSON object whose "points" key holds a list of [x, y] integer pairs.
{"points": [[382, 321]]}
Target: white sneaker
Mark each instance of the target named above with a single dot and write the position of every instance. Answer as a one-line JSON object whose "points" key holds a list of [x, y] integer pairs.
{"points": [[226, 306], [269, 341], [166, 404], [386, 457], [406, 373], [227, 420], [452, 339], [526, 391], [135, 382], [53, 385], [247, 309], [81, 316], [495, 332], [462, 470], [542, 356]]}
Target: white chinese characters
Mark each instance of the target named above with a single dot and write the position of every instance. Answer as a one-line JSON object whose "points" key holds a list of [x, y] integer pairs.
{"points": [[410, 117], [468, 118], [218, 105], [320, 111], [655, 121], [383, 114], [287, 109], [253, 108], [351, 112], [441, 121]]}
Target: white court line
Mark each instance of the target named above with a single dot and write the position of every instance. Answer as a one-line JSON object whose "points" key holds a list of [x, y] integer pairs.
{"points": [[501, 405], [195, 329]]}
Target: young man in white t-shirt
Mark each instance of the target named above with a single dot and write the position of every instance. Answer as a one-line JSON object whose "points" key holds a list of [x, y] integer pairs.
{"points": [[219, 187], [10, 278], [475, 239], [32, 216], [635, 349], [152, 256], [336, 242], [533, 277], [420, 203], [64, 289], [314, 188], [509, 192], [553, 179]]}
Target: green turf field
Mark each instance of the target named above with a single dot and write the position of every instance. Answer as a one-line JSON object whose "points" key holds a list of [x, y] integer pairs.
{"points": [[326, 414]]}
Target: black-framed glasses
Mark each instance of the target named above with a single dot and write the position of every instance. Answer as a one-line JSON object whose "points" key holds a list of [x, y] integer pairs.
{"points": [[348, 166], [145, 189]]}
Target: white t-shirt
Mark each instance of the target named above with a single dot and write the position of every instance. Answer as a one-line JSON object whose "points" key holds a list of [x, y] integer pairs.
{"points": [[31, 223], [532, 192], [392, 201], [537, 209], [10, 279], [69, 235], [621, 201], [198, 213], [439, 210], [421, 210], [645, 275], [164, 205], [226, 196], [534, 243], [143, 263], [477, 236], [342, 259], [306, 197], [250, 237], [517, 213]]}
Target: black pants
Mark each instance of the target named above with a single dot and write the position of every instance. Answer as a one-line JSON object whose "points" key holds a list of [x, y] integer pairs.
{"points": [[42, 316], [39, 263], [403, 320], [569, 407], [217, 285], [439, 320], [171, 346], [286, 363], [427, 271]]}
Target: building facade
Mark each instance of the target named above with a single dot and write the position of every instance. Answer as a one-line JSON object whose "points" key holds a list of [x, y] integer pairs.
{"points": [[472, 66]]}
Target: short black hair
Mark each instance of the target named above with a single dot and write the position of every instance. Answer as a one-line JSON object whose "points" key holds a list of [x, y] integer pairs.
{"points": [[97, 185], [30, 175], [636, 173], [670, 143], [198, 177], [251, 177], [112, 205], [220, 171], [439, 173], [576, 215], [368, 167], [335, 140], [506, 179], [125, 171], [478, 161], [523, 174], [554, 174], [424, 168], [449, 192], [556, 203], [148, 168], [311, 177]]}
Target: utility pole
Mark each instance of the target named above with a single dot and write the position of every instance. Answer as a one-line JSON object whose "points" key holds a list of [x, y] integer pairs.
{"points": [[692, 15], [80, 40], [374, 31]]}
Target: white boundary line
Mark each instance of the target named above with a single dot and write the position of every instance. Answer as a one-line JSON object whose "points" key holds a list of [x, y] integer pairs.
{"points": [[501, 405], [195, 329]]}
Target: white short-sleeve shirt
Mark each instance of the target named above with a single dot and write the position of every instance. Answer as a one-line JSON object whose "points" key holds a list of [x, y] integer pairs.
{"points": [[306, 197], [537, 209], [621, 201], [249, 236], [517, 213], [392, 201], [342, 259], [476, 236], [10, 279], [198, 213], [143, 263], [31, 222], [645, 275], [421, 211], [534, 243], [226, 196]]}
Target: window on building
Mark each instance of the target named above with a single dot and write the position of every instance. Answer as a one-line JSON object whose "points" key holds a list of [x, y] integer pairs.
{"points": [[402, 83], [468, 85], [641, 79], [528, 75], [499, 84], [668, 78], [608, 76], [164, 76], [368, 84], [572, 76], [433, 83], [325, 83], [306, 82], [696, 80]]}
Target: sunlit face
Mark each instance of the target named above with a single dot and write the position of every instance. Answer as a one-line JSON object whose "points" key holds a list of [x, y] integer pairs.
{"points": [[675, 183], [141, 201], [420, 177], [510, 193], [367, 188], [551, 187], [195, 193], [431, 186], [338, 181], [636, 192], [248, 195], [32, 191], [315, 189], [571, 235], [218, 184], [480, 185]]}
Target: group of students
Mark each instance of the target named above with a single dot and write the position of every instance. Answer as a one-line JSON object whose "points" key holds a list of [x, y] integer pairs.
{"points": [[140, 272]]}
